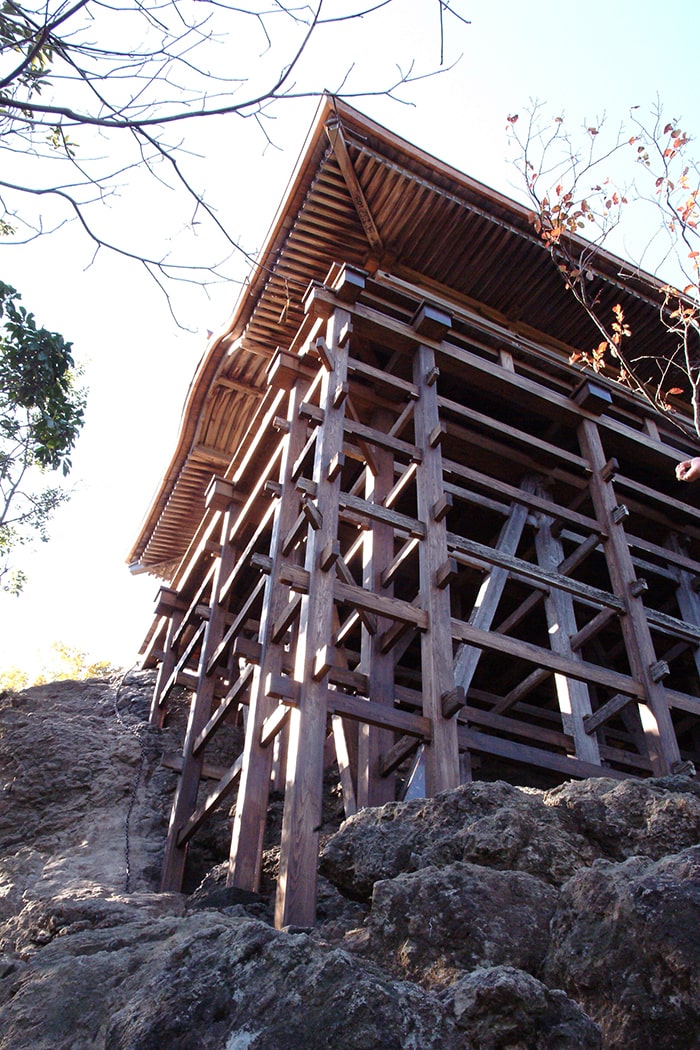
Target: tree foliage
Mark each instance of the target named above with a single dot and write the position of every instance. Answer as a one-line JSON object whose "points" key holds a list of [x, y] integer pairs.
{"points": [[41, 414], [94, 95], [637, 187]]}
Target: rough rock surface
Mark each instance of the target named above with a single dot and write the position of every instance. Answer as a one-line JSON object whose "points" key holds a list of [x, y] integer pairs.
{"points": [[625, 943], [488, 918]]}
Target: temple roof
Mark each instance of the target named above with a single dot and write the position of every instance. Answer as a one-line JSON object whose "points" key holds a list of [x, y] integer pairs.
{"points": [[362, 195]]}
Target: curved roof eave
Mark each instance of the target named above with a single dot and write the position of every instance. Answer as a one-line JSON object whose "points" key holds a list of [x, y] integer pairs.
{"points": [[400, 160]]}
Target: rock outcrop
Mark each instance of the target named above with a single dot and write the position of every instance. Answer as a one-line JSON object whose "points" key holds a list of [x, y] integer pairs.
{"points": [[488, 918]]}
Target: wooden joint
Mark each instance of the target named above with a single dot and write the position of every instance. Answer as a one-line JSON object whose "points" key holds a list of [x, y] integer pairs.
{"points": [[341, 392], [323, 662], [392, 759], [619, 513], [281, 687], [638, 587], [285, 621], [610, 469], [312, 514], [329, 556], [316, 301], [274, 724], [556, 528], [350, 283], [220, 494], [272, 488], [453, 701], [280, 424], [659, 670], [592, 397], [447, 573], [431, 322], [285, 368], [432, 376], [336, 465], [392, 635], [261, 562], [311, 413], [323, 351], [294, 535], [168, 602], [437, 434], [443, 506], [344, 334]]}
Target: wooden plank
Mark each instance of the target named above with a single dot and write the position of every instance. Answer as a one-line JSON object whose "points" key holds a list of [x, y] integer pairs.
{"points": [[522, 689], [346, 594], [518, 495], [472, 740], [220, 793], [369, 511], [461, 547], [513, 434], [606, 712], [229, 703], [382, 378], [241, 618], [516, 727], [546, 659], [489, 595], [397, 754], [274, 724]]}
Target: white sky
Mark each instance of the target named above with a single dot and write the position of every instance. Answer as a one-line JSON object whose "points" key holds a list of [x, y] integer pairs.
{"points": [[584, 59]]}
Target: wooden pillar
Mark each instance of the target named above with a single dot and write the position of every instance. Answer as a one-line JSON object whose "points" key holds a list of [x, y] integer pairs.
{"points": [[171, 605], [378, 552], [200, 710], [301, 821], [250, 817], [660, 737], [573, 695], [442, 764]]}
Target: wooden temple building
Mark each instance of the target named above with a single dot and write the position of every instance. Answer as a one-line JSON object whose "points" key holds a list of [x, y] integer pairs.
{"points": [[399, 529]]}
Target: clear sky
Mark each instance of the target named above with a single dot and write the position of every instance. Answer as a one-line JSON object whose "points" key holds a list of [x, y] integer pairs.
{"points": [[586, 60]]}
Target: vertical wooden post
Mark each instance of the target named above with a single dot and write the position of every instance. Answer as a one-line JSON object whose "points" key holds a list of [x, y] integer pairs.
{"points": [[200, 711], [378, 551], [573, 695], [656, 718], [301, 821], [177, 611], [442, 766], [250, 817]]}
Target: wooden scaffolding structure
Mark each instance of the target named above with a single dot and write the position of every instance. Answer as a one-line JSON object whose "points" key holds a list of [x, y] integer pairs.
{"points": [[432, 545]]}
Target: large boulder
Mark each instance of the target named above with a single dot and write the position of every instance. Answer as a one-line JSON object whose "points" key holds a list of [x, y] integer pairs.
{"points": [[136, 974], [625, 945], [433, 923], [621, 819], [506, 1009], [492, 824]]}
